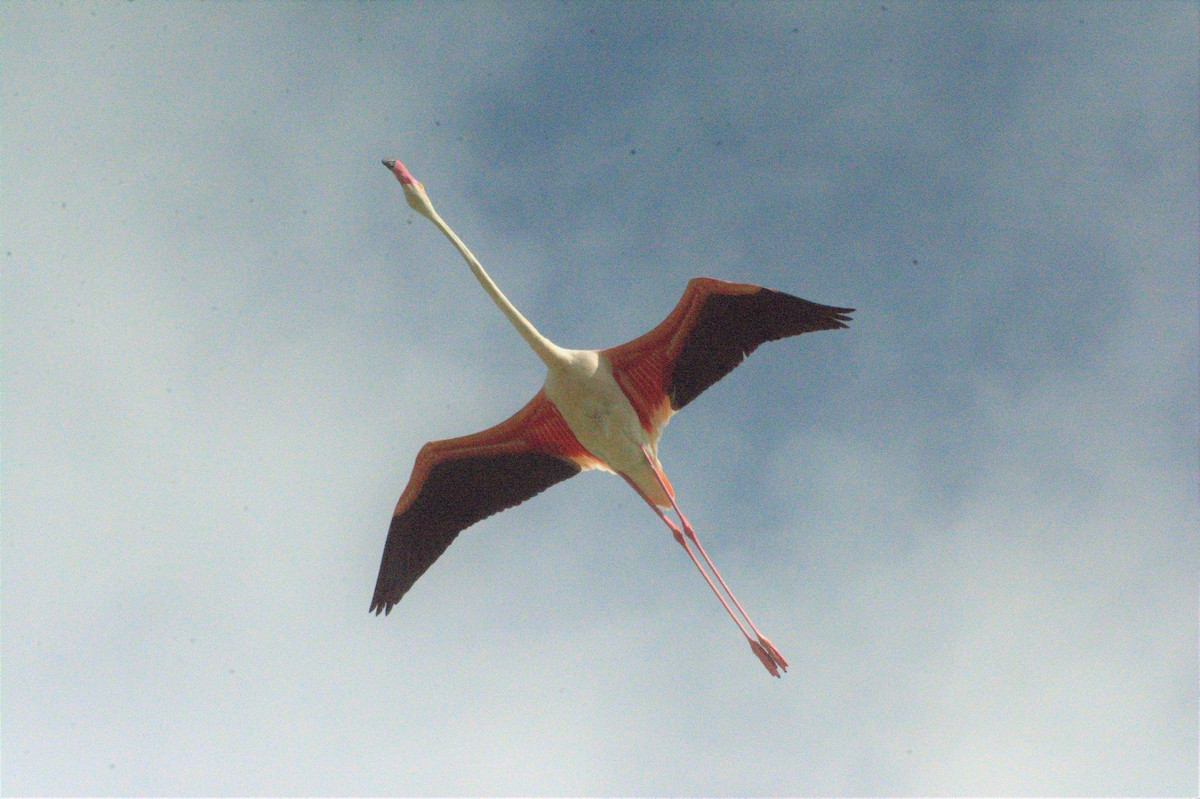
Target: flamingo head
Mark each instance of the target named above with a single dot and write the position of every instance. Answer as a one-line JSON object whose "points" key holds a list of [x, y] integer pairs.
{"points": [[414, 192]]}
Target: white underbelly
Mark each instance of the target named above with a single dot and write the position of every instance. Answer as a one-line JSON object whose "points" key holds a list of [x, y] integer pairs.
{"points": [[603, 419]]}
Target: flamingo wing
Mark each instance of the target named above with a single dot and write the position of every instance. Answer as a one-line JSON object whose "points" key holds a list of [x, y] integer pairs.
{"points": [[460, 481], [715, 325]]}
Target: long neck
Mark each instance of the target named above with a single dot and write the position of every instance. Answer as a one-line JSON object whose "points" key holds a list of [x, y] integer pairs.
{"points": [[547, 350]]}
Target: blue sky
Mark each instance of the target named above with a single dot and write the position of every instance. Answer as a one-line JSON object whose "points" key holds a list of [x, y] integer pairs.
{"points": [[969, 521]]}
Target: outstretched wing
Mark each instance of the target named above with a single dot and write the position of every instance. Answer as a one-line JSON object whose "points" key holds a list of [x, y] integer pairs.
{"points": [[460, 481], [714, 326]]}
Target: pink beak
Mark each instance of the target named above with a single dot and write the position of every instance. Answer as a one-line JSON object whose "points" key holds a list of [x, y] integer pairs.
{"points": [[399, 170]]}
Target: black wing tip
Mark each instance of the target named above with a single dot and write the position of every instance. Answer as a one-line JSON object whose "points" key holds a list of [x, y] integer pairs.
{"points": [[387, 595], [384, 606], [832, 315]]}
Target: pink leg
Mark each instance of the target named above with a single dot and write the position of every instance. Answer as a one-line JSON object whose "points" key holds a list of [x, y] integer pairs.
{"points": [[762, 639], [679, 536], [762, 648]]}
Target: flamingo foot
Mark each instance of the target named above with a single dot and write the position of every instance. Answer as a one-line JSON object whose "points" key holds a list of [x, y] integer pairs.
{"points": [[765, 657], [772, 652]]}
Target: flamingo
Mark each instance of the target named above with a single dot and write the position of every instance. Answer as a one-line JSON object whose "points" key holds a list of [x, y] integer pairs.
{"points": [[598, 409]]}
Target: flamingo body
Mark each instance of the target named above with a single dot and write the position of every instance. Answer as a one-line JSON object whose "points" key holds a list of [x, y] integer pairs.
{"points": [[597, 409]]}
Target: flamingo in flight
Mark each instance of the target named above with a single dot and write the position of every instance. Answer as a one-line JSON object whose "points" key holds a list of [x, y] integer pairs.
{"points": [[598, 409]]}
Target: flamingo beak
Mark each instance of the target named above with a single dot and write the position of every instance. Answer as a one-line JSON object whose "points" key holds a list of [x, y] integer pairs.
{"points": [[401, 172]]}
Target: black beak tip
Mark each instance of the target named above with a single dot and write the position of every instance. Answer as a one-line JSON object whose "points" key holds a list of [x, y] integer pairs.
{"points": [[389, 162]]}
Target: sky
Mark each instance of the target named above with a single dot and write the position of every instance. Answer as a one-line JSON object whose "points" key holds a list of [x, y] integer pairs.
{"points": [[969, 521]]}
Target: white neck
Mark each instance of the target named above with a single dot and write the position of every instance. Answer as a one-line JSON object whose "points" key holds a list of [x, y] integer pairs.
{"points": [[550, 353]]}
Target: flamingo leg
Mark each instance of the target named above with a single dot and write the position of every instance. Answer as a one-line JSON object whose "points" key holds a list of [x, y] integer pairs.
{"points": [[679, 536], [761, 646], [763, 655]]}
